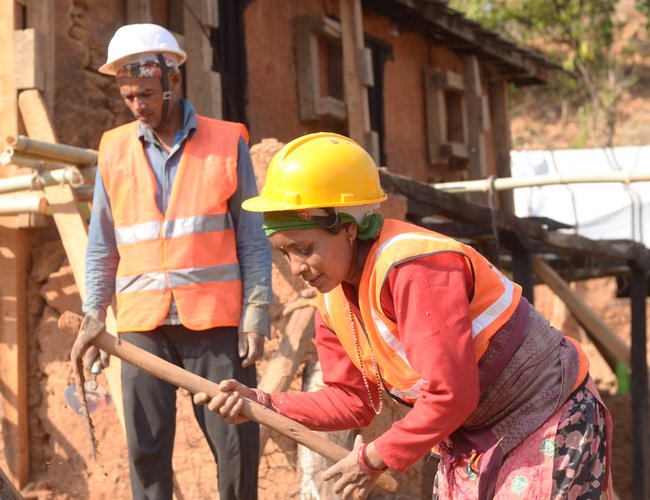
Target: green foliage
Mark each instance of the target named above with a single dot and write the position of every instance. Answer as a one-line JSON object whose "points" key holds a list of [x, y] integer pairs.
{"points": [[584, 37]]}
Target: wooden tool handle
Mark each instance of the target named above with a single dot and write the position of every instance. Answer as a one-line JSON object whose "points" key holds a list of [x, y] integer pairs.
{"points": [[70, 323]]}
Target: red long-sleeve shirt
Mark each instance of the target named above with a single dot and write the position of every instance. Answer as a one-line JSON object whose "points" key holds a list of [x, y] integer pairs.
{"points": [[429, 300]]}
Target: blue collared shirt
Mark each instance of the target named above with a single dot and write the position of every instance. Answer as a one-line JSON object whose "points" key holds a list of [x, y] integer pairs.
{"points": [[253, 250]]}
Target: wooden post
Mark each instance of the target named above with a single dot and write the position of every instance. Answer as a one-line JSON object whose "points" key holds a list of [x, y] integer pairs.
{"points": [[522, 272], [475, 121], [502, 139], [8, 101], [13, 356], [13, 353], [203, 85], [40, 14], [354, 60], [34, 113], [74, 236], [639, 382]]}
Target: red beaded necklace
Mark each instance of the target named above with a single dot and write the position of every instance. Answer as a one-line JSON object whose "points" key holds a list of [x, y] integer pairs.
{"points": [[374, 365]]}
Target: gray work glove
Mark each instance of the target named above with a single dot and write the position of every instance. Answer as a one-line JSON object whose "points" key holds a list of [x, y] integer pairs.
{"points": [[250, 347], [94, 359]]}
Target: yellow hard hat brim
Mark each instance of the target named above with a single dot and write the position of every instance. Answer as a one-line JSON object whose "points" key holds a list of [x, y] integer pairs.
{"points": [[262, 204]]}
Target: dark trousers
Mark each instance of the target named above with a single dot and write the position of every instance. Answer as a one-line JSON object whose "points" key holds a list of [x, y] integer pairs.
{"points": [[150, 413]]}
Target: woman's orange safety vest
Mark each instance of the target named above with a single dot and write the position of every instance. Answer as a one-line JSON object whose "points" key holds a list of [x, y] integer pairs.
{"points": [[190, 251], [492, 302]]}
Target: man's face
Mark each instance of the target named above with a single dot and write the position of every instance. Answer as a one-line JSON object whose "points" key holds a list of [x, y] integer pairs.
{"points": [[144, 97]]}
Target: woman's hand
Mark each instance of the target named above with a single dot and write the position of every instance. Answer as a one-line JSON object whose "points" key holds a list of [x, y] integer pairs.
{"points": [[229, 403], [353, 479]]}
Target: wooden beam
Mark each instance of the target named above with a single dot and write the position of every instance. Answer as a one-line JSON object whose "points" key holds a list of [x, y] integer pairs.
{"points": [[639, 382], [33, 111], [424, 200], [474, 100], [74, 236], [610, 344], [8, 101], [13, 353], [39, 16], [28, 71], [13, 356], [356, 93], [498, 90]]}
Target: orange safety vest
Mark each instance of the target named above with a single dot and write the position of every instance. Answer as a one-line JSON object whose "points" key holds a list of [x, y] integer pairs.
{"points": [[190, 251], [492, 302]]}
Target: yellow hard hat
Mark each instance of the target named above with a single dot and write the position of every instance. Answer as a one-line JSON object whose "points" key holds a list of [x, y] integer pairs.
{"points": [[318, 170]]}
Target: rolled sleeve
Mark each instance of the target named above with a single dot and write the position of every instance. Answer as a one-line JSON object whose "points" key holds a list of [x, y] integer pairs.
{"points": [[253, 250]]}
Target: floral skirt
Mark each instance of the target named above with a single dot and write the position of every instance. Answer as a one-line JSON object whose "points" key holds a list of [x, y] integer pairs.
{"points": [[565, 457]]}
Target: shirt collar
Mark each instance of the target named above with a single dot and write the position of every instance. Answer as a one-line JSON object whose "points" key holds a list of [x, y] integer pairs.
{"points": [[190, 125]]}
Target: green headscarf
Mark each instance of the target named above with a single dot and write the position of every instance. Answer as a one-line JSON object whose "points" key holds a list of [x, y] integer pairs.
{"points": [[291, 219]]}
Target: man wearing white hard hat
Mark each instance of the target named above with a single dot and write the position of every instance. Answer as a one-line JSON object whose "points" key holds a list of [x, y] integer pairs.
{"points": [[189, 270]]}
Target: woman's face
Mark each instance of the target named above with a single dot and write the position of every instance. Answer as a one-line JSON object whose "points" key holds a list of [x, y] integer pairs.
{"points": [[322, 259]]}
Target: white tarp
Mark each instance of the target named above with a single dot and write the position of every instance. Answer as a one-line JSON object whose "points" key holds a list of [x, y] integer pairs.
{"points": [[598, 211]]}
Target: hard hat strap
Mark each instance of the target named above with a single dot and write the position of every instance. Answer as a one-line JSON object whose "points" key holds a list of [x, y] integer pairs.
{"points": [[165, 85]]}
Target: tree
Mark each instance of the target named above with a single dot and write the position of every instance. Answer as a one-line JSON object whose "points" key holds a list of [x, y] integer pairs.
{"points": [[586, 37]]}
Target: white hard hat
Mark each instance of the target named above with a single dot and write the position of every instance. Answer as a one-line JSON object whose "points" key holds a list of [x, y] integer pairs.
{"points": [[134, 40]]}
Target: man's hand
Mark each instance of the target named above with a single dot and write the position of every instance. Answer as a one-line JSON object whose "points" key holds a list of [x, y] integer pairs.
{"points": [[93, 357], [250, 347], [96, 358]]}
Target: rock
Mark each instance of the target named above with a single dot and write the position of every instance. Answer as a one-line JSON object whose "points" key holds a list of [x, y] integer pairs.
{"points": [[61, 292], [46, 259]]}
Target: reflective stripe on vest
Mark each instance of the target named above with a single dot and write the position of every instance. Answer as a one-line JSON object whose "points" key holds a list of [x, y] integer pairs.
{"points": [[190, 251], [492, 302]]}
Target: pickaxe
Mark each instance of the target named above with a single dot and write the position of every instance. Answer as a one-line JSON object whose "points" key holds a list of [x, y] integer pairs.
{"points": [[96, 335]]}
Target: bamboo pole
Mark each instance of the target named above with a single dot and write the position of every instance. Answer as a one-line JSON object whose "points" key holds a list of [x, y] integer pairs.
{"points": [[60, 152], [68, 175], [28, 203], [504, 183], [8, 156]]}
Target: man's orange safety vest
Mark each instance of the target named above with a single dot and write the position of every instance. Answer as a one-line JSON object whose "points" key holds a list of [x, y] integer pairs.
{"points": [[492, 302], [190, 251]]}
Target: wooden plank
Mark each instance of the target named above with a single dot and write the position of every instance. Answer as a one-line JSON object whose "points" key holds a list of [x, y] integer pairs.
{"points": [[39, 16], [13, 367], [13, 353], [74, 236], [28, 61], [356, 93], [639, 382], [608, 342], [34, 113], [8, 101], [501, 138]]}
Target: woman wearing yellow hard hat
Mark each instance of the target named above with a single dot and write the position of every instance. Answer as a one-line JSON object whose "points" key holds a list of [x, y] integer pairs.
{"points": [[504, 398]]}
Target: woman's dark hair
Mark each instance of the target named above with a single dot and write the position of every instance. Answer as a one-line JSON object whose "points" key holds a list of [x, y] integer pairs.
{"points": [[330, 222]]}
